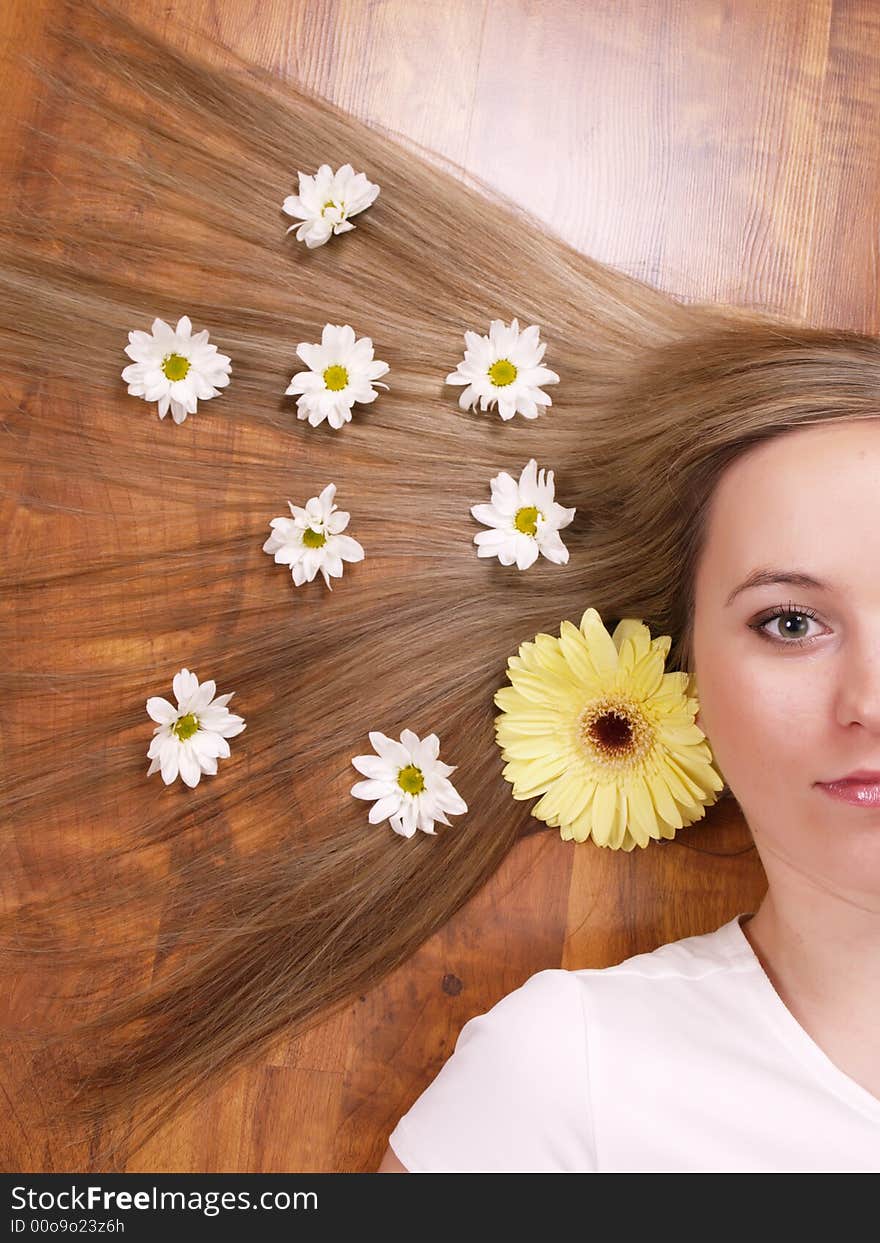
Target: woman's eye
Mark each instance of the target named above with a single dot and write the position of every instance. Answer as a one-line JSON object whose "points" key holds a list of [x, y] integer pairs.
{"points": [[790, 627]]}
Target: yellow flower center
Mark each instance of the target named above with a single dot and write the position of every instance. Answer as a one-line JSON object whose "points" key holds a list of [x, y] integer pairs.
{"points": [[175, 366], [335, 378], [331, 203], [616, 733], [502, 372], [410, 779], [313, 539], [185, 726], [526, 520]]}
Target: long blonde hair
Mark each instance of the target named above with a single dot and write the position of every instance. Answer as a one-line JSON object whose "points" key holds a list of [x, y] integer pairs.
{"points": [[278, 901]]}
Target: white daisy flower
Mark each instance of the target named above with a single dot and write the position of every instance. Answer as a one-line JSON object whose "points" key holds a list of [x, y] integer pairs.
{"points": [[174, 367], [525, 519], [504, 367], [325, 202], [189, 738], [311, 540], [342, 370], [410, 784]]}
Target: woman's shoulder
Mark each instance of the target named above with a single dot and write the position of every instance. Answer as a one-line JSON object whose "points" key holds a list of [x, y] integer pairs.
{"points": [[557, 1003], [517, 1093], [677, 982], [688, 958], [514, 1094]]}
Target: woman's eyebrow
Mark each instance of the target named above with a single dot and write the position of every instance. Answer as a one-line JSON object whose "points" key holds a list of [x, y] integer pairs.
{"points": [[760, 578]]}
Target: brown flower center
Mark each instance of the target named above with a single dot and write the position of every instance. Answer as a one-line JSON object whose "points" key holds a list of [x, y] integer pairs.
{"points": [[616, 733]]}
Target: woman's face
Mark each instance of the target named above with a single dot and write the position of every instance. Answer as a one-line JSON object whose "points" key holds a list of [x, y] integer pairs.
{"points": [[779, 716]]}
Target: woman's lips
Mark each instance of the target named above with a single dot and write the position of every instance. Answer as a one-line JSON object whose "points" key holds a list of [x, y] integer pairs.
{"points": [[861, 793]]}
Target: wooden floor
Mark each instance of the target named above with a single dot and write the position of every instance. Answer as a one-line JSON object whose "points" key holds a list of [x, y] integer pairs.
{"points": [[722, 149]]}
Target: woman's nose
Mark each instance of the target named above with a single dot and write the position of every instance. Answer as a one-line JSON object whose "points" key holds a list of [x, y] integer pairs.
{"points": [[858, 698]]}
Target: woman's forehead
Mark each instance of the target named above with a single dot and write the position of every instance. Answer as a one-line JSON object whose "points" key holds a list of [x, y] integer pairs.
{"points": [[808, 499]]}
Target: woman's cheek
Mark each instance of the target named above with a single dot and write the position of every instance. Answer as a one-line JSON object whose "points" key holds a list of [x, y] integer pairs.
{"points": [[747, 719]]}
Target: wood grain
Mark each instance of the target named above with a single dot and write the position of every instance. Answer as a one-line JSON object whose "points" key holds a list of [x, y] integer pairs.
{"points": [[721, 150]]}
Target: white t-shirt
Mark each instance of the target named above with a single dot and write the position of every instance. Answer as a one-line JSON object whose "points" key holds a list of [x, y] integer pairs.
{"points": [[684, 1059]]}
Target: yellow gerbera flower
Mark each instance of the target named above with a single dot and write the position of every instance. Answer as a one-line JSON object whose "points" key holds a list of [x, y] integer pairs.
{"points": [[594, 724]]}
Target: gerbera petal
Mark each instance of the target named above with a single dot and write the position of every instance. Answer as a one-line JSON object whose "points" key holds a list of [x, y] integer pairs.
{"points": [[560, 733]]}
